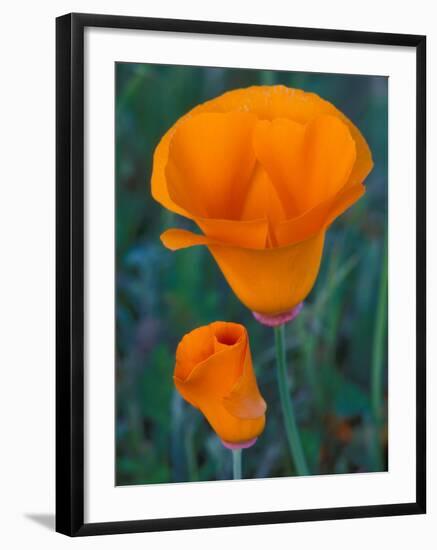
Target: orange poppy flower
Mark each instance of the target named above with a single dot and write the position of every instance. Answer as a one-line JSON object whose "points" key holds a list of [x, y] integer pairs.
{"points": [[214, 373], [263, 172]]}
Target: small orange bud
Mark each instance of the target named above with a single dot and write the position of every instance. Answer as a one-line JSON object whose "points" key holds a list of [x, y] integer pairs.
{"points": [[214, 373]]}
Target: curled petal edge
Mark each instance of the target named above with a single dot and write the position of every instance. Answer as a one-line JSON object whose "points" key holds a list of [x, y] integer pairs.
{"points": [[287, 233]]}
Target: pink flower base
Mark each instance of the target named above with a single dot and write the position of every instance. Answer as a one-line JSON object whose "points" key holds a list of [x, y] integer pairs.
{"points": [[281, 319], [242, 445]]}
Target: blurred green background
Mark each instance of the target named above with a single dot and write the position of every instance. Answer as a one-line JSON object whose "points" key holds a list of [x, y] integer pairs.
{"points": [[337, 347]]}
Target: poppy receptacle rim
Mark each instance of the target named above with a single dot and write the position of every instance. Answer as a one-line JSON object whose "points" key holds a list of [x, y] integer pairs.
{"points": [[277, 320]]}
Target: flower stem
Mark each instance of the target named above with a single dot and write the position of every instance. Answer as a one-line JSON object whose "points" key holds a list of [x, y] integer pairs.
{"points": [[236, 463], [291, 428]]}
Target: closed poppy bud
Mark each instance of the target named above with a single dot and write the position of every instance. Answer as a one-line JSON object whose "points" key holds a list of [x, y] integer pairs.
{"points": [[214, 373], [263, 172]]}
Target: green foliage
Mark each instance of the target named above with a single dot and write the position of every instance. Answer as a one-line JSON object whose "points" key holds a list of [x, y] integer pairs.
{"points": [[155, 391], [162, 295]]}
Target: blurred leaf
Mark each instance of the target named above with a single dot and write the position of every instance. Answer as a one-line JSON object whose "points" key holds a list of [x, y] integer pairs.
{"points": [[156, 390]]}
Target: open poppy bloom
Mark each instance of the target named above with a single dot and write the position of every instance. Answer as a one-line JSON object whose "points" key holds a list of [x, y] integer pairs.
{"points": [[214, 373], [263, 172]]}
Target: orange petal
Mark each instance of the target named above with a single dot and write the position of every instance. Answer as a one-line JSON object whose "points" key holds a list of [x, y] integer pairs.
{"points": [[279, 148], [210, 163], [265, 102], [194, 348], [307, 165], [329, 155], [245, 401], [250, 234], [229, 427], [175, 239], [273, 280], [270, 102], [262, 200], [158, 179], [269, 281], [220, 370], [319, 218]]}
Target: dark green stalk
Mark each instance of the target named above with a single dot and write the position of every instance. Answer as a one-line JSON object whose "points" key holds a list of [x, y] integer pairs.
{"points": [[291, 429]]}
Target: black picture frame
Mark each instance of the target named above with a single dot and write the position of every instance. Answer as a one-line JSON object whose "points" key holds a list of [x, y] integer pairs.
{"points": [[70, 273]]}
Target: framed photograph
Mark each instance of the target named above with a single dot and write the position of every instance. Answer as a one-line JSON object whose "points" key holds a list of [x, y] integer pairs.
{"points": [[240, 274]]}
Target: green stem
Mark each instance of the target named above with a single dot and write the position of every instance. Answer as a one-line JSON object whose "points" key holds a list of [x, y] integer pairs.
{"points": [[378, 350], [291, 428], [236, 463]]}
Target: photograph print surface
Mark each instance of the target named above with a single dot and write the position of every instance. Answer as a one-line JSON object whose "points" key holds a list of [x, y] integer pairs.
{"points": [[251, 273]]}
